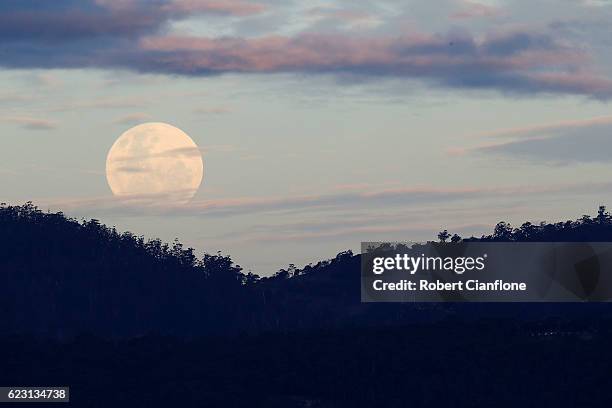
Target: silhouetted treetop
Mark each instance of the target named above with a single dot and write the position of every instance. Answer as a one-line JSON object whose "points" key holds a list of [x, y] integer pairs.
{"points": [[26, 228], [584, 229]]}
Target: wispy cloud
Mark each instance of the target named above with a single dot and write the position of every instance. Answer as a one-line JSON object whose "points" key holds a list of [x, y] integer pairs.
{"points": [[590, 145], [130, 169], [560, 143], [526, 131], [170, 153], [138, 205], [222, 148], [472, 9], [223, 7], [101, 103], [215, 110], [31, 123], [132, 118], [357, 228]]}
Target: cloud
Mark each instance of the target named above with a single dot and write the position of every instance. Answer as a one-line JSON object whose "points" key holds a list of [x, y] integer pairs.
{"points": [[131, 169], [160, 204], [101, 103], [132, 119], [171, 153], [180, 152], [223, 7], [74, 21], [28, 122], [526, 131], [157, 204], [560, 143], [514, 63], [135, 35], [476, 10], [68, 20], [216, 110], [357, 228], [364, 232], [340, 14], [225, 148], [589, 145]]}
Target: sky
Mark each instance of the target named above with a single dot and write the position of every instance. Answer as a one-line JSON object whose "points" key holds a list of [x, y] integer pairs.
{"points": [[322, 123]]}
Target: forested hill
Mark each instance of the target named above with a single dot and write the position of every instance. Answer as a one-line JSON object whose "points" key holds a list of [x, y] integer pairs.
{"points": [[61, 277]]}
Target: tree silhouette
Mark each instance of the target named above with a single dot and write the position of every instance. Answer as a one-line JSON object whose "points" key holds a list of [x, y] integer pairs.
{"points": [[62, 276], [443, 236]]}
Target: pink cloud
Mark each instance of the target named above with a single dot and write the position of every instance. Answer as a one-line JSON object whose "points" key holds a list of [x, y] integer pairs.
{"points": [[547, 127], [275, 53], [516, 62], [131, 34], [187, 7], [225, 7], [476, 10], [573, 82]]}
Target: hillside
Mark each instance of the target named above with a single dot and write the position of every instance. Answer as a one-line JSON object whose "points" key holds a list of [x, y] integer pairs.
{"points": [[129, 322], [62, 277]]}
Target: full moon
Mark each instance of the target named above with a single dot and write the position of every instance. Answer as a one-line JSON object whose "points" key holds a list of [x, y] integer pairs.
{"points": [[154, 162]]}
